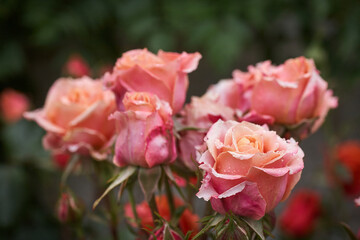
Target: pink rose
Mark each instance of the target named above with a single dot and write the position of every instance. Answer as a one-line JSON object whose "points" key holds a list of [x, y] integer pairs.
{"points": [[292, 93], [13, 104], [145, 135], [229, 93], [75, 117], [164, 74], [200, 113], [248, 169], [237, 93]]}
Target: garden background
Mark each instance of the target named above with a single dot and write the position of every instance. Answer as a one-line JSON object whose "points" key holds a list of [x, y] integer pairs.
{"points": [[37, 39]]}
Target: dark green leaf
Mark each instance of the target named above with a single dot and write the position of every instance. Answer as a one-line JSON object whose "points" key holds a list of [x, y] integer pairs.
{"points": [[255, 225]]}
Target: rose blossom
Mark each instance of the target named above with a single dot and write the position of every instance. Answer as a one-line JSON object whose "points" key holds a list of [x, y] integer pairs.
{"points": [[292, 93], [75, 117], [248, 169], [13, 104], [164, 74], [187, 222], [200, 113], [236, 93], [299, 216], [144, 131]]}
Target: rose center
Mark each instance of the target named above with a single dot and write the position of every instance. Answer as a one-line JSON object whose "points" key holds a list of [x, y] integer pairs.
{"points": [[249, 145]]}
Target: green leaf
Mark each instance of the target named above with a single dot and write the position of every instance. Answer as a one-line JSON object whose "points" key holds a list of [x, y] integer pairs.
{"points": [[256, 226], [348, 231], [148, 180], [122, 176], [215, 219]]}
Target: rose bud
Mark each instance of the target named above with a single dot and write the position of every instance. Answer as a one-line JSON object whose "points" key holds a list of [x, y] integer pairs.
{"points": [[300, 214], [145, 131], [13, 104], [248, 169], [188, 221], [200, 113], [164, 74], [293, 93], [75, 117], [77, 67], [67, 209], [160, 235]]}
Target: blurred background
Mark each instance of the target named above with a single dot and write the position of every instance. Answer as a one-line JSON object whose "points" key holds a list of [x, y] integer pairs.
{"points": [[41, 41]]}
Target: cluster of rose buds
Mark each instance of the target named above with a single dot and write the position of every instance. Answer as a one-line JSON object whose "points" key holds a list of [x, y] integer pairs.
{"points": [[239, 135]]}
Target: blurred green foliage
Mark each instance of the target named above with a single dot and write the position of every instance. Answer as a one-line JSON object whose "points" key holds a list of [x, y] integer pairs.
{"points": [[38, 36]]}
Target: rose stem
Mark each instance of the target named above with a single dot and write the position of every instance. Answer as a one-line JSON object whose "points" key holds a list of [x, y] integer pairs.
{"points": [[169, 196], [133, 205]]}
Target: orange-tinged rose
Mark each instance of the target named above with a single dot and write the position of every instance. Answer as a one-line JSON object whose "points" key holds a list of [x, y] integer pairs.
{"points": [[75, 117], [145, 135], [293, 92], [201, 113], [164, 74], [248, 169]]}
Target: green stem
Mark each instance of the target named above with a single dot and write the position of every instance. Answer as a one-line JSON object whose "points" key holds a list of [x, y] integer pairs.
{"points": [[169, 196], [153, 207], [113, 217], [69, 168], [133, 206]]}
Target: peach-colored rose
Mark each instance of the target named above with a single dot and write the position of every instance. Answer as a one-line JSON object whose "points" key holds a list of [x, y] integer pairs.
{"points": [[200, 113], [13, 104], [229, 93], [236, 93], [188, 221], [75, 117], [145, 135], [292, 93], [164, 74], [248, 169]]}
